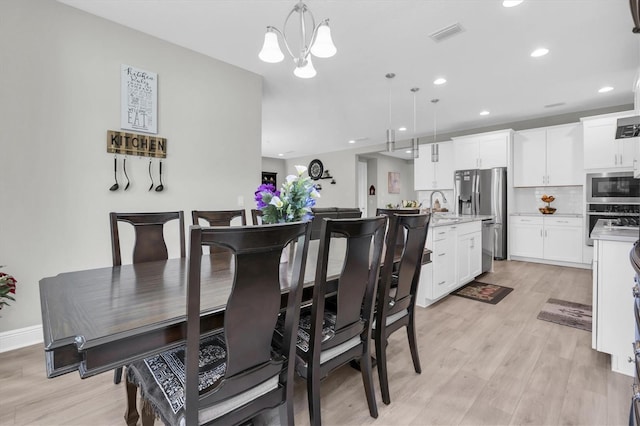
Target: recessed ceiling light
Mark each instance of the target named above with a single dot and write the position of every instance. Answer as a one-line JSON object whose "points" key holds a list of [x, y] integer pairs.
{"points": [[352, 141], [408, 151], [439, 81], [539, 52], [280, 155], [605, 89], [402, 129], [485, 112], [511, 3]]}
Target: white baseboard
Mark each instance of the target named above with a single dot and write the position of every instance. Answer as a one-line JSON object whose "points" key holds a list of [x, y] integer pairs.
{"points": [[16, 339]]}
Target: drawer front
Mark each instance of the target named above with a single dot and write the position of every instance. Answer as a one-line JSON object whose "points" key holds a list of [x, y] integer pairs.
{"points": [[564, 221], [526, 220], [441, 233]]}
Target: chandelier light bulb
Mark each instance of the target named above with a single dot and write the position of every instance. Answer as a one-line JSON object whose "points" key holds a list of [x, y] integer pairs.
{"points": [[323, 46], [271, 52], [306, 70]]}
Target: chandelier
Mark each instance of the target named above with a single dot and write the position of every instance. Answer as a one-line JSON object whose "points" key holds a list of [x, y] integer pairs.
{"points": [[317, 43]]}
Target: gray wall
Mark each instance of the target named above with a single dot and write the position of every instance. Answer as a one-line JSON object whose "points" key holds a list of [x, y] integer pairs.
{"points": [[60, 93]]}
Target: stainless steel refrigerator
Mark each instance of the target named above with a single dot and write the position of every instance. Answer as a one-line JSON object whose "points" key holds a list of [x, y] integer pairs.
{"points": [[484, 192]]}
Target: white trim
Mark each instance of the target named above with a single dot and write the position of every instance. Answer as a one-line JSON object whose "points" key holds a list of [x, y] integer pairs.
{"points": [[16, 339]]}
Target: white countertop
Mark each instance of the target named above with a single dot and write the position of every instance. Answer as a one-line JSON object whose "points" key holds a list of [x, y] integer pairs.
{"points": [[603, 231], [442, 219], [548, 215]]}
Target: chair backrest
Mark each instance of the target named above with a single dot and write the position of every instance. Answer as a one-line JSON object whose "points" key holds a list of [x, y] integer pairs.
{"points": [[413, 229], [256, 216], [355, 290], [391, 212], [252, 309], [320, 213], [218, 217], [149, 235]]}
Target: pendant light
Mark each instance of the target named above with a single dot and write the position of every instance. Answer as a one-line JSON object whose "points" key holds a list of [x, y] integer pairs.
{"points": [[435, 156], [415, 150], [391, 133]]}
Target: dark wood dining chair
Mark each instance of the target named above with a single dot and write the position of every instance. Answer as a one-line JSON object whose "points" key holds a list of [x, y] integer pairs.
{"points": [[391, 212], [149, 243], [395, 306], [218, 217], [242, 372], [256, 216], [337, 330]]}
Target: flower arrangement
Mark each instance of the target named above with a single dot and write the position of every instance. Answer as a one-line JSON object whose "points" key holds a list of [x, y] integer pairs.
{"points": [[292, 203], [7, 288]]}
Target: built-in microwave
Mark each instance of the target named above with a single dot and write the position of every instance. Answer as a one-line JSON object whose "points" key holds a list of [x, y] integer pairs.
{"points": [[613, 187]]}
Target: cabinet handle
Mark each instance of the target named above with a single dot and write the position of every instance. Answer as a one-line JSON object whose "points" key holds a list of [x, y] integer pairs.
{"points": [[441, 233], [441, 254], [616, 159], [473, 242], [441, 282], [563, 221], [545, 232], [525, 220]]}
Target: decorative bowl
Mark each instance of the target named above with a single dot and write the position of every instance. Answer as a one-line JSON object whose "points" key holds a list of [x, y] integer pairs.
{"points": [[548, 198], [547, 210]]}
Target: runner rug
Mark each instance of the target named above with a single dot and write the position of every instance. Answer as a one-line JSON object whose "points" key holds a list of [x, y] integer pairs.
{"points": [[483, 292], [566, 313]]}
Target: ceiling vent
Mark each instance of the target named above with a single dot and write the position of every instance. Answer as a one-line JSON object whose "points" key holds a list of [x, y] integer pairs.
{"points": [[446, 32]]}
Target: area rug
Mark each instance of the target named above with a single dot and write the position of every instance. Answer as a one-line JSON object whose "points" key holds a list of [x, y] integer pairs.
{"points": [[483, 292], [566, 313]]}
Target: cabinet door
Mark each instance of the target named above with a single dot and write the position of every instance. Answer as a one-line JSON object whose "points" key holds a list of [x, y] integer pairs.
{"points": [[628, 149], [526, 238], [444, 167], [466, 154], [563, 243], [600, 147], [428, 176], [463, 261], [529, 158], [564, 156], [475, 254], [492, 151]]}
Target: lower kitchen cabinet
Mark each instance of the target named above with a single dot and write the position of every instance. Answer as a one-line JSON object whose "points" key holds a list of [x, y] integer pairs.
{"points": [[613, 327], [556, 238], [456, 260]]}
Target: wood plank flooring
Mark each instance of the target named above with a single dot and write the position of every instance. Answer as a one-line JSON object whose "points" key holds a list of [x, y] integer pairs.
{"points": [[482, 364]]}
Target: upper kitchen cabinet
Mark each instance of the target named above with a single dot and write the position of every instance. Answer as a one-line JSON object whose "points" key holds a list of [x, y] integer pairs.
{"points": [[548, 156], [601, 148], [482, 151], [429, 175]]}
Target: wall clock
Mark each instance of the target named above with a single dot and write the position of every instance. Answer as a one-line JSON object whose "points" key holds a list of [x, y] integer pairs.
{"points": [[315, 169]]}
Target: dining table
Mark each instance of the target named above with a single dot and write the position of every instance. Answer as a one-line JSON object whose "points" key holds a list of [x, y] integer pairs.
{"points": [[98, 319]]}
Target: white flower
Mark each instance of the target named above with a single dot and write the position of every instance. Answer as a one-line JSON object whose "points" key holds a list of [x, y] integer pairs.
{"points": [[300, 170], [276, 201], [291, 178], [314, 193]]}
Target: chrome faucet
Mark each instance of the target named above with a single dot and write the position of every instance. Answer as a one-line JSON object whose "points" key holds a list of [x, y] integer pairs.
{"points": [[444, 199]]}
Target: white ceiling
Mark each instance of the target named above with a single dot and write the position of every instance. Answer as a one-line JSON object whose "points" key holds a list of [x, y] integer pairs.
{"points": [[487, 66]]}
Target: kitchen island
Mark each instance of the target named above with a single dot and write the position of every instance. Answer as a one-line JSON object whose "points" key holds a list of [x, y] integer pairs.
{"points": [[613, 328], [456, 243]]}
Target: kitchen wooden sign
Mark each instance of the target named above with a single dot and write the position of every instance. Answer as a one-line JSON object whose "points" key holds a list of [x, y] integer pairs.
{"points": [[136, 144]]}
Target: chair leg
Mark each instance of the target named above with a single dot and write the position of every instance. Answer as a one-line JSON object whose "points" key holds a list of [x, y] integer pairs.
{"points": [[413, 346], [148, 416], [117, 375], [286, 412], [313, 396], [381, 361], [131, 416], [367, 379]]}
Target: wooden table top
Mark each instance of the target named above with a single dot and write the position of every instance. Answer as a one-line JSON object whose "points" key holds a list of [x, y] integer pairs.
{"points": [[99, 319]]}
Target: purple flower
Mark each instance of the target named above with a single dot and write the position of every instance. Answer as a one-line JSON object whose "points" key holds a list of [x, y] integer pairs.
{"points": [[264, 194]]}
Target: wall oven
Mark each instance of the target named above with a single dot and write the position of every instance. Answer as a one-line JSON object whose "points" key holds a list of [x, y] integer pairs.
{"points": [[613, 188], [627, 215]]}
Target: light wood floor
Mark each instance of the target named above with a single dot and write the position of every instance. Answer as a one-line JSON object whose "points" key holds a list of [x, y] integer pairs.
{"points": [[482, 364]]}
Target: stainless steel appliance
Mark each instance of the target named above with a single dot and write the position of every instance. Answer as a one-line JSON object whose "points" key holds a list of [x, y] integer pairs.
{"points": [[484, 192], [619, 214], [613, 188]]}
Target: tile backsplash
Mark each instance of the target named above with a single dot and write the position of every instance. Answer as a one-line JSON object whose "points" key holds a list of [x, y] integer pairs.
{"points": [[569, 199]]}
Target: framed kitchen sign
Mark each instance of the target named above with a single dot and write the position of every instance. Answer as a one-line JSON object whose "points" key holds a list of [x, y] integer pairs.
{"points": [[139, 99]]}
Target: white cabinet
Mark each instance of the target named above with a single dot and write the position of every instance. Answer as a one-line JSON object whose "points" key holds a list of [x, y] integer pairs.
{"points": [[444, 261], [547, 238], [482, 151], [456, 259], [602, 150], [613, 320], [428, 175], [469, 253], [550, 156]]}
